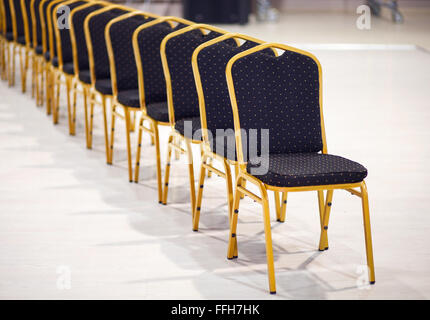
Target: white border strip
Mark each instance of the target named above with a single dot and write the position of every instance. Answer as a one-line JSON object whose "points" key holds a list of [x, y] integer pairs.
{"points": [[354, 46]]}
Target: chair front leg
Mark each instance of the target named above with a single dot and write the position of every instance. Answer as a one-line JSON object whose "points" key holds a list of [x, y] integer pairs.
{"points": [[367, 232], [112, 134], [324, 227], [197, 209], [232, 251], [167, 171], [158, 160], [139, 149], [191, 176], [127, 132]]}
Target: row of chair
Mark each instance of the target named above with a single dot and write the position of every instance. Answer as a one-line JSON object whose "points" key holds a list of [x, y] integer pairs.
{"points": [[252, 106]]}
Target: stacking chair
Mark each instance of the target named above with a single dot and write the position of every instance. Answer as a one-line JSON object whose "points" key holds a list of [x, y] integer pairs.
{"points": [[151, 95], [94, 26], [284, 96], [8, 43], [209, 62], [82, 77], [38, 60], [184, 116], [2, 42], [123, 73], [62, 60]]}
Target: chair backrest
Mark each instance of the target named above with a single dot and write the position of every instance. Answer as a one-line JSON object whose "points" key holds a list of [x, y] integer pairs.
{"points": [[52, 25], [77, 31], [147, 44], [7, 17], [209, 63], [17, 18], [36, 22], [44, 24], [119, 35], [95, 34], [176, 54], [281, 94], [62, 35], [28, 22]]}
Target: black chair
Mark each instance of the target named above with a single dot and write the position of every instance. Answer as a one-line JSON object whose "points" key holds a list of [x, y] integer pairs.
{"points": [[82, 78], [62, 59], [99, 69], [209, 62], [9, 43], [151, 95], [283, 97], [184, 116], [123, 73]]}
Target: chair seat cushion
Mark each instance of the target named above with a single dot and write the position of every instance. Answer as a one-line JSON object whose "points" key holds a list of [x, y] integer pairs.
{"points": [[21, 40], [39, 49], [158, 111], [85, 76], [55, 61], [129, 98], [47, 56], [9, 36], [69, 68], [104, 86], [188, 127], [308, 169]]}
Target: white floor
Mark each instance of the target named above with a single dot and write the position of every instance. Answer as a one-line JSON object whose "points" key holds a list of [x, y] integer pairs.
{"points": [[64, 212]]}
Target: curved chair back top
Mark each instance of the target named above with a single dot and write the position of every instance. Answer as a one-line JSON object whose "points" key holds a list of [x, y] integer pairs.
{"points": [[119, 37], [282, 94], [77, 31], [209, 62], [176, 52], [62, 33], [36, 22], [146, 42], [95, 25], [6, 17], [17, 19], [28, 23]]}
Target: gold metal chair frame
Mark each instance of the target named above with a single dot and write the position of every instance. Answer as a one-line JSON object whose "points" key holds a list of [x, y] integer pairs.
{"points": [[175, 138], [3, 62], [324, 207], [91, 91], [37, 63], [153, 124], [208, 156], [115, 103]]}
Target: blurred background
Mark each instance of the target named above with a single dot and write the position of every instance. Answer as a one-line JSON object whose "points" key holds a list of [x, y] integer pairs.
{"points": [[308, 21]]}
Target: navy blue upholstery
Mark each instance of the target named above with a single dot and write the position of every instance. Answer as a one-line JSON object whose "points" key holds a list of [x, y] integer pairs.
{"points": [[38, 34], [179, 51], [27, 12], [8, 16], [149, 41], [80, 41], [282, 95], [66, 44], [212, 62], [97, 26], [121, 34], [310, 169], [189, 127], [19, 21], [129, 98], [158, 111]]}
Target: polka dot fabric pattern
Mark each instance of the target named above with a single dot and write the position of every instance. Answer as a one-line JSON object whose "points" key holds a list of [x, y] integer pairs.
{"points": [[179, 51], [97, 26], [121, 34], [66, 44], [212, 62], [309, 169], [280, 94], [81, 45], [149, 41]]}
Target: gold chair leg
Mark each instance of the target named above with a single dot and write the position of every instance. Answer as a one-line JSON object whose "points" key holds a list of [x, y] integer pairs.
{"points": [[112, 137], [106, 131], [324, 239], [139, 149], [69, 105], [191, 176], [91, 125], [87, 95], [197, 208], [284, 206], [74, 97], [127, 132], [277, 206], [367, 232], [158, 160], [13, 65], [56, 96], [167, 171], [48, 86], [232, 243]]}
